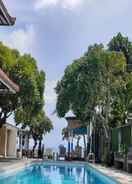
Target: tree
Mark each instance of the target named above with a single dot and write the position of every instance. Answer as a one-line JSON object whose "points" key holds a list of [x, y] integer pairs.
{"points": [[91, 83], [80, 88], [65, 134], [32, 83], [27, 105], [40, 125], [22, 70]]}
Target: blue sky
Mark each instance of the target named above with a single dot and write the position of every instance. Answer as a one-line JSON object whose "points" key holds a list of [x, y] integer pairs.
{"points": [[56, 32]]}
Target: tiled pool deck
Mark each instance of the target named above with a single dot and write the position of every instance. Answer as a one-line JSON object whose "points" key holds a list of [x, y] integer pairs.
{"points": [[11, 165], [122, 177]]}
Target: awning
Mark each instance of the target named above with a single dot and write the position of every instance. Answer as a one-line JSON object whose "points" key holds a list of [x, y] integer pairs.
{"points": [[6, 84], [80, 131], [5, 18]]}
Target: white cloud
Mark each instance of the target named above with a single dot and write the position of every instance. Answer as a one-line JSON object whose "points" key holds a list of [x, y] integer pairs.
{"points": [[68, 4], [50, 95], [104, 6], [21, 39], [111, 7], [44, 3]]}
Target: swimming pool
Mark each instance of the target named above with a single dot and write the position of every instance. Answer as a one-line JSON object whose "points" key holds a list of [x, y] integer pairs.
{"points": [[56, 173]]}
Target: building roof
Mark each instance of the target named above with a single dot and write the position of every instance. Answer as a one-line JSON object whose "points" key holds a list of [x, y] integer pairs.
{"points": [[76, 126], [70, 118], [5, 18], [12, 87], [73, 122]]}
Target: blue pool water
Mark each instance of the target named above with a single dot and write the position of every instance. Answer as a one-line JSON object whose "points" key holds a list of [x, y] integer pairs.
{"points": [[64, 173]]}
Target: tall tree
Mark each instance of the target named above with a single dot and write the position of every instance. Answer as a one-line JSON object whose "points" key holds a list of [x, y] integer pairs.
{"points": [[40, 125], [23, 70], [91, 84]]}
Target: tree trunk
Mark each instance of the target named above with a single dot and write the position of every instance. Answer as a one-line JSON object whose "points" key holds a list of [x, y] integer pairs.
{"points": [[106, 125], [40, 149], [78, 140], [34, 146], [85, 147]]}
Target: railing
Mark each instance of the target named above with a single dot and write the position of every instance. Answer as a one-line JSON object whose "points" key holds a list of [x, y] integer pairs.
{"points": [[119, 155], [129, 155]]}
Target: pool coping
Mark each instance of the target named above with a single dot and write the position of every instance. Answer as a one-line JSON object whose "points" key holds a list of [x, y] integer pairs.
{"points": [[116, 175], [16, 166]]}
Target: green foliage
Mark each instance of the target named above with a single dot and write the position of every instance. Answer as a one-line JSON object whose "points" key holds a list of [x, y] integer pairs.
{"points": [[22, 70], [40, 125], [86, 83], [120, 43], [7, 58], [97, 87], [27, 105], [118, 115]]}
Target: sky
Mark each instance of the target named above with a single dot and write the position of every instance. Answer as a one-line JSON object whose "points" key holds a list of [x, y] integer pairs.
{"points": [[56, 32]]}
